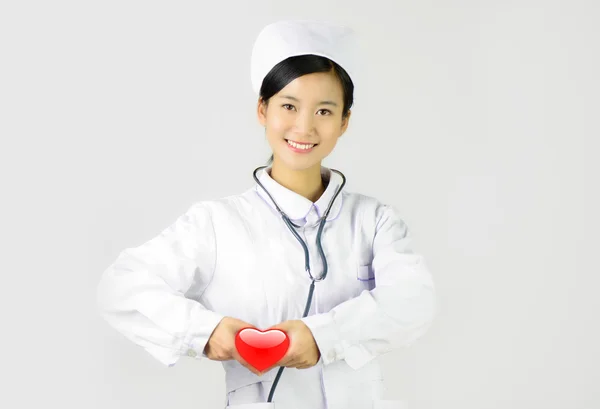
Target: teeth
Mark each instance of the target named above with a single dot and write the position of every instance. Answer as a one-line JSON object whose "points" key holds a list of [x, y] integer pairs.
{"points": [[299, 146]]}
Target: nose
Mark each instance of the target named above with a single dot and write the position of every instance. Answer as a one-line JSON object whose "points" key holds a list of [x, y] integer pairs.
{"points": [[305, 123]]}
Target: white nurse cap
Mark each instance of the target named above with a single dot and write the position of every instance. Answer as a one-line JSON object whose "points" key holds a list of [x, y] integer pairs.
{"points": [[285, 39]]}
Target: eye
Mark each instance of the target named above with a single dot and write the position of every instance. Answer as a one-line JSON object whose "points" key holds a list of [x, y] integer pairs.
{"points": [[287, 105], [325, 110]]}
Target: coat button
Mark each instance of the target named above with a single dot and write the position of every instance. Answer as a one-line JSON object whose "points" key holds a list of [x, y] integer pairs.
{"points": [[191, 353]]}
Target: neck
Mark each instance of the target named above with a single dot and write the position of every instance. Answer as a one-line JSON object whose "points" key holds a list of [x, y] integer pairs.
{"points": [[307, 183]]}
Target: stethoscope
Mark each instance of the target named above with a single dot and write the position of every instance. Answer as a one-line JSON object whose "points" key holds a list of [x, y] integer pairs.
{"points": [[292, 227]]}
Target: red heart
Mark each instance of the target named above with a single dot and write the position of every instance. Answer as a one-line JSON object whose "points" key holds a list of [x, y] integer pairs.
{"points": [[261, 349]]}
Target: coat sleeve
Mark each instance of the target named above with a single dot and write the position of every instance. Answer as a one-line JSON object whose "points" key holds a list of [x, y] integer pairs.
{"points": [[397, 312], [142, 294]]}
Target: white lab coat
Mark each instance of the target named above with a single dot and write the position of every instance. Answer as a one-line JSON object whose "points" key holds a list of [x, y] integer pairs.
{"points": [[236, 257]]}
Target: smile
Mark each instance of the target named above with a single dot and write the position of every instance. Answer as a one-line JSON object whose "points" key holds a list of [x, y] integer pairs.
{"points": [[301, 146]]}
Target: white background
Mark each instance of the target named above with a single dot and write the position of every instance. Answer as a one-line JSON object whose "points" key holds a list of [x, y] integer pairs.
{"points": [[477, 119]]}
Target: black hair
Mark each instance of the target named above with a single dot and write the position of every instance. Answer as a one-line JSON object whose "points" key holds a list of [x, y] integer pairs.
{"points": [[293, 67]]}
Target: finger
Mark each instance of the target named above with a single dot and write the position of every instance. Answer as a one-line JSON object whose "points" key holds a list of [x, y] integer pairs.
{"points": [[283, 361], [283, 326], [277, 327], [305, 365], [290, 359], [288, 363]]}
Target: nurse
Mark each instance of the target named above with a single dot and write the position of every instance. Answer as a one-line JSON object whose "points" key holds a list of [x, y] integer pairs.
{"points": [[235, 262]]}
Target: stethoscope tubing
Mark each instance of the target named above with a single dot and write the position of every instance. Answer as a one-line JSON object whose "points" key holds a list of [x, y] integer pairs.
{"points": [[292, 226]]}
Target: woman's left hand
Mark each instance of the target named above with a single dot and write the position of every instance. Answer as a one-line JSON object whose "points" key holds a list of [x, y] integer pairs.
{"points": [[303, 351]]}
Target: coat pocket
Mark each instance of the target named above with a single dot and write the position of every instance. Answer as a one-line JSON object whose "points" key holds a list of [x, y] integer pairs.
{"points": [[366, 276], [248, 397], [389, 404]]}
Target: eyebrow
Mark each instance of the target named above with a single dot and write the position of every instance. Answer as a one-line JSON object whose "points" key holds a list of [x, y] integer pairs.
{"points": [[297, 100]]}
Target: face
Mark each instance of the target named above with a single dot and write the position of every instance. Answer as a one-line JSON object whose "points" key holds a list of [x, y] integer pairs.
{"points": [[304, 120]]}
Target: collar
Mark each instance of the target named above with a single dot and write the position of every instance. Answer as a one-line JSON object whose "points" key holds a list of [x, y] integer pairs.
{"points": [[295, 206]]}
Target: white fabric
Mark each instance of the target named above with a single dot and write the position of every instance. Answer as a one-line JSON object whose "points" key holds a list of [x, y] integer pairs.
{"points": [[236, 257], [284, 39]]}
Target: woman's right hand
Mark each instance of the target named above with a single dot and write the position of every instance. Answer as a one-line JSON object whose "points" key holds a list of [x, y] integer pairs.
{"points": [[221, 344]]}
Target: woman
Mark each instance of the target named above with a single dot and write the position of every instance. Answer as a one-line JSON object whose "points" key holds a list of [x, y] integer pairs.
{"points": [[256, 259]]}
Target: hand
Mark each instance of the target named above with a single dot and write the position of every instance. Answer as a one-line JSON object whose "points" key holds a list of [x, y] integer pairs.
{"points": [[221, 344], [303, 351]]}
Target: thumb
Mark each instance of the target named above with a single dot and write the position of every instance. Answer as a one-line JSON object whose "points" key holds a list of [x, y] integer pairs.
{"points": [[283, 326], [241, 326]]}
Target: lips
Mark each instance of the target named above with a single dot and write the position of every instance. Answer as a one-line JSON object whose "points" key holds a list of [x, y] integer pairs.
{"points": [[298, 149]]}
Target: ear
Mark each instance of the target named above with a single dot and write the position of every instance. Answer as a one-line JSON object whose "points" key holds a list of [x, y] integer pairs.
{"points": [[261, 111], [345, 123]]}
